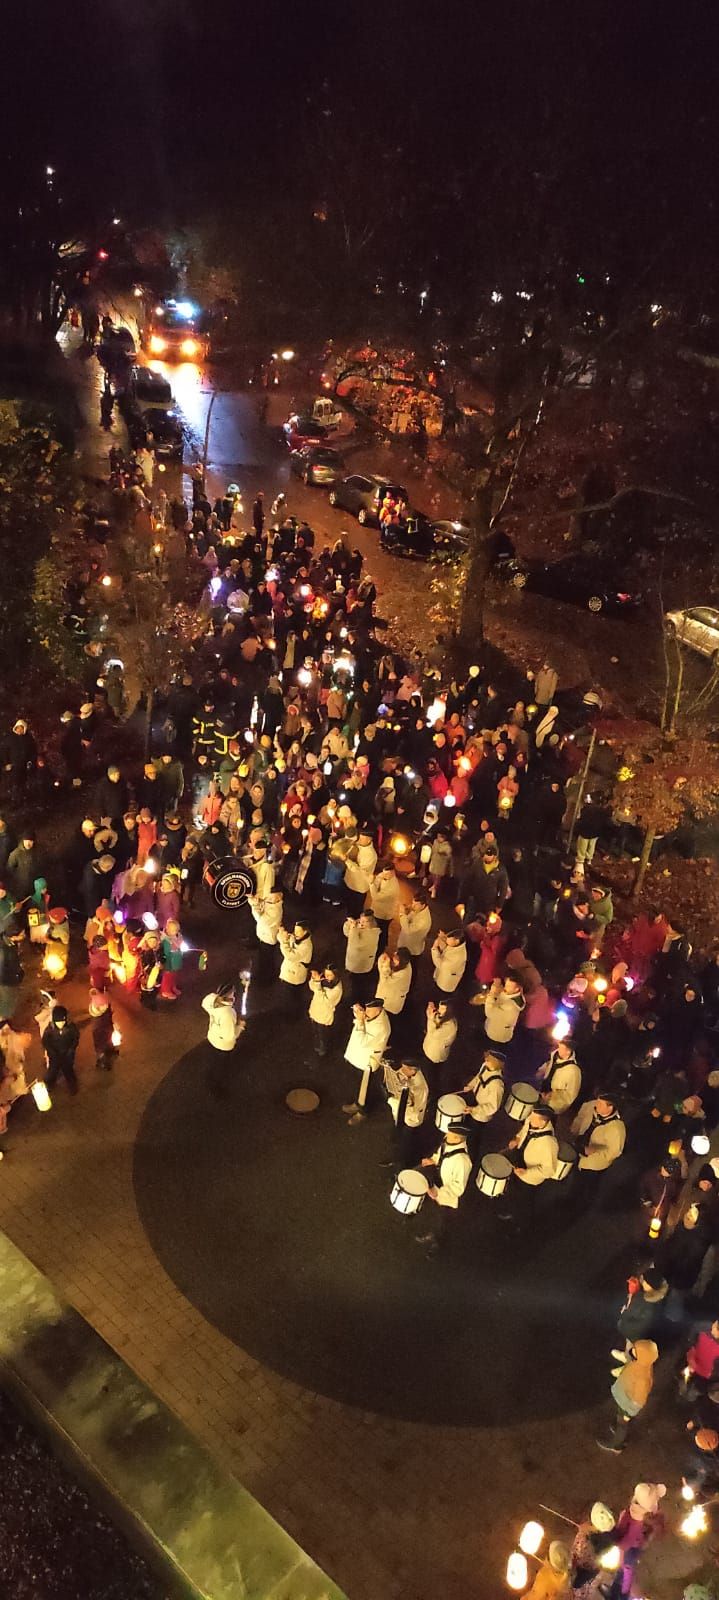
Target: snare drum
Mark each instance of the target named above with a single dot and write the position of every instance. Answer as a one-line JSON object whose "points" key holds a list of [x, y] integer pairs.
{"points": [[566, 1162], [521, 1099], [408, 1191], [451, 1108], [493, 1176]]}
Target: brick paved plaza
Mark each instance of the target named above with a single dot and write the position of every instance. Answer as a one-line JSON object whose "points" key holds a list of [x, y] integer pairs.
{"points": [[388, 1508]]}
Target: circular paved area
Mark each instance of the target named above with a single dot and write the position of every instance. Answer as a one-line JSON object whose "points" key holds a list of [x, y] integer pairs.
{"points": [[279, 1230]]}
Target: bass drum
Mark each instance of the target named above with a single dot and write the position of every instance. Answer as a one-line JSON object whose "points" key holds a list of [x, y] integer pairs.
{"points": [[230, 881]]}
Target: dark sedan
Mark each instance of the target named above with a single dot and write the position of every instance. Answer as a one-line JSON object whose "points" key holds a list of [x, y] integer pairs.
{"points": [[579, 580], [317, 464], [160, 427]]}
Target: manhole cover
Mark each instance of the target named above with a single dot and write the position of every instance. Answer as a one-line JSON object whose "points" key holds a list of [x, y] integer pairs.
{"points": [[302, 1101]]}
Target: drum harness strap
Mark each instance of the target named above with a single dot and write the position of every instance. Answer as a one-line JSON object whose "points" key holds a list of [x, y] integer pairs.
{"points": [[554, 1063], [445, 1155], [596, 1122]]}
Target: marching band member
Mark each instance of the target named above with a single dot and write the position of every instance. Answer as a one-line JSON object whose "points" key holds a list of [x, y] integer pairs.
{"points": [[451, 1166], [486, 1087], [601, 1132], [560, 1078], [537, 1148], [326, 987], [407, 1095], [296, 950], [366, 1046], [267, 912]]}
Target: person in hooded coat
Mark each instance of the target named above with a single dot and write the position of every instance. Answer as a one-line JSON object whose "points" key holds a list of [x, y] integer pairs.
{"points": [[630, 1391]]}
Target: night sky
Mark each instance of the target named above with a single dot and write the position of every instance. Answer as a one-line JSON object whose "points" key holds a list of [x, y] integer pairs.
{"points": [[168, 105]]}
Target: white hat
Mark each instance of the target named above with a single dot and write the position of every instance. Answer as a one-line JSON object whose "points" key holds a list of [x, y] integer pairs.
{"points": [[87, 709], [19, 726], [601, 1517], [67, 716], [645, 1500]]}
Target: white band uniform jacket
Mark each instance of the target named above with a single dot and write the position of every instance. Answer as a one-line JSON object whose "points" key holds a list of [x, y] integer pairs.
{"points": [[393, 986], [367, 1042], [449, 964], [606, 1143], [223, 1028], [268, 917], [565, 1085], [501, 1015], [264, 877], [454, 1168], [296, 957], [414, 927], [384, 896], [438, 1038], [362, 945], [359, 867], [324, 1002], [416, 1101], [488, 1090], [539, 1153]]}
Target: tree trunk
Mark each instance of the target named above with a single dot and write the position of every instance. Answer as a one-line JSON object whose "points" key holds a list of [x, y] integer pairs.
{"points": [[148, 722], [471, 622], [649, 838]]}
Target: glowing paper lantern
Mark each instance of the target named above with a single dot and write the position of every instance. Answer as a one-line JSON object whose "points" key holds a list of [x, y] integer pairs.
{"points": [[561, 1027], [41, 1096], [116, 1038], [610, 1558], [517, 1571], [701, 1144], [55, 964], [694, 1523], [531, 1537]]}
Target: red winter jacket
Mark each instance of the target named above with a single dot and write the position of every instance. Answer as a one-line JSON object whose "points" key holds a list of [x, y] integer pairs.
{"points": [[703, 1355]]}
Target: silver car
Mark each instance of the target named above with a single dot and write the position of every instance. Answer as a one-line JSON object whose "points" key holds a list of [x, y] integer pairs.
{"points": [[698, 628]]}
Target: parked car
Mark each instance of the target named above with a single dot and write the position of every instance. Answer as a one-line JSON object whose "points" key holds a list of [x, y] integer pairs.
{"points": [[363, 496], [158, 426], [455, 533], [299, 431], [698, 628], [316, 464], [419, 536], [581, 580], [148, 387]]}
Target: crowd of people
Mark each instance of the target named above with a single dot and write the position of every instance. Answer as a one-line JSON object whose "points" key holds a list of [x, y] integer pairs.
{"points": [[413, 897]]}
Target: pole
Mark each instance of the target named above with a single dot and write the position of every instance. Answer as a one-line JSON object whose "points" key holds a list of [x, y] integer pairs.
{"points": [[206, 445], [559, 1514], [580, 790]]}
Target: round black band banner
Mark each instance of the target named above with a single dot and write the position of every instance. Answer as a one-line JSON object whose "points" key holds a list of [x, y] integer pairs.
{"points": [[232, 884]]}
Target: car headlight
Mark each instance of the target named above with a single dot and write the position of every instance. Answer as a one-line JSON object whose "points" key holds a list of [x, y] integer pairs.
{"points": [[157, 344], [189, 347]]}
